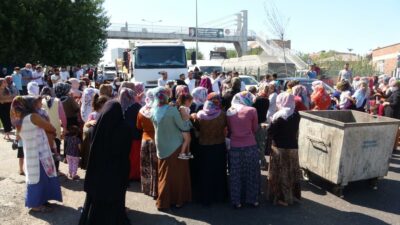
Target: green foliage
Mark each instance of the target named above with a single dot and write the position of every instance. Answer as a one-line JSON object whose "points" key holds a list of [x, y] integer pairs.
{"points": [[231, 53], [189, 53], [361, 67], [52, 32], [255, 51]]}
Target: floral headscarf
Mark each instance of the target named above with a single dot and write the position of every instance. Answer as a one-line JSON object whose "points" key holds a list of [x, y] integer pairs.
{"points": [[62, 90], [160, 104], [126, 98], [146, 109], [212, 107], [22, 106], [181, 90], [87, 99], [240, 100], [206, 83], [286, 105], [320, 98], [139, 89], [301, 91], [199, 96]]}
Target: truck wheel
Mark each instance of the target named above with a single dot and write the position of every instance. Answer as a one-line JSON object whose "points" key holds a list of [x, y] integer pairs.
{"points": [[338, 190]]}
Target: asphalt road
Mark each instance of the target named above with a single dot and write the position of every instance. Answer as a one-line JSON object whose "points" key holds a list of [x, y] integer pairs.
{"points": [[360, 205]]}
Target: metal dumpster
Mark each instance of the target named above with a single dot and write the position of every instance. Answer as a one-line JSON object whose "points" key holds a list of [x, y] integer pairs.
{"points": [[346, 146]]}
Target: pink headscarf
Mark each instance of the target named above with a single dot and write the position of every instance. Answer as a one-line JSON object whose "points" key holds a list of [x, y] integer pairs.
{"points": [[140, 95], [286, 105], [181, 90], [206, 83]]}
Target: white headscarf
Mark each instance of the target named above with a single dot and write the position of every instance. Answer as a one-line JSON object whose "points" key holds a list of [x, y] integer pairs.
{"points": [[33, 88], [87, 99], [286, 105], [240, 100]]}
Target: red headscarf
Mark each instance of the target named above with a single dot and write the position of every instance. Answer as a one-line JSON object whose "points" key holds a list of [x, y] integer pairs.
{"points": [[320, 98]]}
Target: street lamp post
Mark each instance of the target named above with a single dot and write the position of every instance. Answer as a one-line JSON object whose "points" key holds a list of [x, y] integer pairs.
{"points": [[152, 23], [197, 41]]}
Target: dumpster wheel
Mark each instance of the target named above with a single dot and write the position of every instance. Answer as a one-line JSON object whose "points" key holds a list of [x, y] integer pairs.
{"points": [[306, 174], [338, 190], [374, 183]]}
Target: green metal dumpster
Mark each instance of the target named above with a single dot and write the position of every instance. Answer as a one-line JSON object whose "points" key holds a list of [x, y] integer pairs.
{"points": [[346, 146]]}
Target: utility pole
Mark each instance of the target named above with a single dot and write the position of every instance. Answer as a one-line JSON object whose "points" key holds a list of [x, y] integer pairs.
{"points": [[197, 41]]}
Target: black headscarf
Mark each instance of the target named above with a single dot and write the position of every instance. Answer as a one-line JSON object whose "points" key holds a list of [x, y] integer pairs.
{"points": [[108, 167]]}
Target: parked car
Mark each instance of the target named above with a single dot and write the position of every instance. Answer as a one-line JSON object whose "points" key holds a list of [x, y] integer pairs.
{"points": [[305, 82], [249, 81]]}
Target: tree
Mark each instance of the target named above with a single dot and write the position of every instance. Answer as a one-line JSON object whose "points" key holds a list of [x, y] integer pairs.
{"points": [[255, 51], [231, 53], [277, 23], [189, 54], [52, 32]]}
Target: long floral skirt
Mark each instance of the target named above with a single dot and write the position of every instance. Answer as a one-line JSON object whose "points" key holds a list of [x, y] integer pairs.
{"points": [[284, 175], [149, 168], [244, 174]]}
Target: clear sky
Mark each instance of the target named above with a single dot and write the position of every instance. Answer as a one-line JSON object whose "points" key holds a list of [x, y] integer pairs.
{"points": [[314, 24]]}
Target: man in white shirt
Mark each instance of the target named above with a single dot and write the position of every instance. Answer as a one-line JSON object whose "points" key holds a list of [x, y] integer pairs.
{"points": [[79, 73], [64, 75], [37, 76], [346, 74], [216, 82], [162, 81], [190, 81]]}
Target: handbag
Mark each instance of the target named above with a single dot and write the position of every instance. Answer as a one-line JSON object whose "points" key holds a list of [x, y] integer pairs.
{"points": [[14, 145]]}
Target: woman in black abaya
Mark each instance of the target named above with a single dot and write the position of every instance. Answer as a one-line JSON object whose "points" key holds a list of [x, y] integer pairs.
{"points": [[107, 174]]}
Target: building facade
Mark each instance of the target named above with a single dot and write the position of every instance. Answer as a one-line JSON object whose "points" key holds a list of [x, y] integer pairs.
{"points": [[386, 59]]}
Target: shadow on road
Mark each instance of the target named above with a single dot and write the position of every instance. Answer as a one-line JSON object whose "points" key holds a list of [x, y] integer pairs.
{"points": [[62, 215], [306, 213], [142, 218]]}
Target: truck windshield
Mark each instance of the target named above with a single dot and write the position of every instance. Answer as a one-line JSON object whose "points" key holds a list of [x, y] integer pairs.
{"points": [[160, 57], [210, 69]]}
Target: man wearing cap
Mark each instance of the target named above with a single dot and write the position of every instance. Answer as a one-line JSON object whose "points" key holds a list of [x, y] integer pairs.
{"points": [[162, 81]]}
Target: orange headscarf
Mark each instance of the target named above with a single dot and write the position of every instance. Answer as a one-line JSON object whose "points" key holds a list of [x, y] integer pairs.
{"points": [[320, 98]]}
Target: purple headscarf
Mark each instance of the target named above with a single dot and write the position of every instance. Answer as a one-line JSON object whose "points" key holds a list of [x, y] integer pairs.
{"points": [[211, 108], [206, 83]]}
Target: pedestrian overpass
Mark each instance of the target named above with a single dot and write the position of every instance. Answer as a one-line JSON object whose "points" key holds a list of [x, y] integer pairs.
{"points": [[234, 29]]}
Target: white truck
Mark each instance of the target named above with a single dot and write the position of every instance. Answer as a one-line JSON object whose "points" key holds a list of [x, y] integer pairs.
{"points": [[151, 57], [207, 66]]}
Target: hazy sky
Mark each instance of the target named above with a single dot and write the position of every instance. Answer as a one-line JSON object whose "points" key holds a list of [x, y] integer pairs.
{"points": [[314, 24]]}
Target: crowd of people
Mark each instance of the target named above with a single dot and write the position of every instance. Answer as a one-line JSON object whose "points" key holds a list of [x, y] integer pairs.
{"points": [[199, 138]]}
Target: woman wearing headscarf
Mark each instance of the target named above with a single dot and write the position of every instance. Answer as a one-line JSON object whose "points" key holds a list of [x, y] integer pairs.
{"points": [[41, 175], [244, 167], [140, 94], [345, 101], [284, 170], [86, 102], [173, 173], [107, 174], [128, 84], [301, 97], [273, 93], [116, 85], [55, 111], [199, 97], [360, 96], [106, 90], [392, 104], [206, 83], [6, 97], [130, 108], [71, 107], [228, 96], [320, 99], [179, 88], [211, 179], [97, 104], [75, 92], [262, 104], [148, 152]]}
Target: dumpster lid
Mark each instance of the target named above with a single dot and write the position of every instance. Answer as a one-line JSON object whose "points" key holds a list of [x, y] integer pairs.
{"points": [[347, 118]]}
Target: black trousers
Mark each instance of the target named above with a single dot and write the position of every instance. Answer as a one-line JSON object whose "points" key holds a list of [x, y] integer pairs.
{"points": [[5, 116], [24, 90], [58, 145]]}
